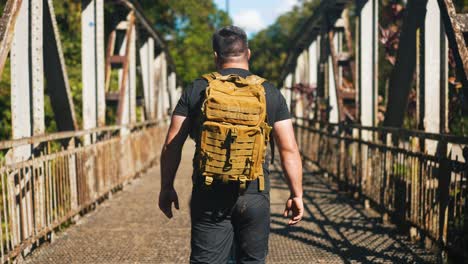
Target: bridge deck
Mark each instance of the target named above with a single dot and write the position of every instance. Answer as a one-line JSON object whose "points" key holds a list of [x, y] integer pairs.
{"points": [[129, 228]]}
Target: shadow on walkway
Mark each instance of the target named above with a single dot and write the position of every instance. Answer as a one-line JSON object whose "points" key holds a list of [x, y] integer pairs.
{"points": [[337, 229], [129, 228]]}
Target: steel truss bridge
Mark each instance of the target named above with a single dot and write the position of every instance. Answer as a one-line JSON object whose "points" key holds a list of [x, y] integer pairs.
{"points": [[373, 193]]}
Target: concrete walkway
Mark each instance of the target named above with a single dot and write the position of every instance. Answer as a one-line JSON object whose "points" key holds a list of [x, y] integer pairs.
{"points": [[129, 228]]}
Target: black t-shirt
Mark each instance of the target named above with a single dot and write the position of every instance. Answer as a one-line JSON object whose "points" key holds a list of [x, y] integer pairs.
{"points": [[192, 98]]}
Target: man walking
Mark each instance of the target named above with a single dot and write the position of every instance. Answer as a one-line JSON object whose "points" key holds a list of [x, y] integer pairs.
{"points": [[229, 114]]}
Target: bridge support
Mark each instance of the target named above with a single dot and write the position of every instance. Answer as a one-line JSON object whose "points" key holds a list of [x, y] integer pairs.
{"points": [[368, 79], [93, 70], [27, 108], [93, 91], [163, 102], [314, 51], [127, 77], [300, 77], [435, 75], [287, 89], [172, 86], [58, 87], [147, 70], [368, 66]]}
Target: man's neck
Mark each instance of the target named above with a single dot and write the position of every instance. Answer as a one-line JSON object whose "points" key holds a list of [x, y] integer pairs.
{"points": [[243, 66]]}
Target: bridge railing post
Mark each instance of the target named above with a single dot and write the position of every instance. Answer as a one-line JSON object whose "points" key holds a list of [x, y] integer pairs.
{"points": [[73, 177], [355, 163], [340, 156], [444, 176]]}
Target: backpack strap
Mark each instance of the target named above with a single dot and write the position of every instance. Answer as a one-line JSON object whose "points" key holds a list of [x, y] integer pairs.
{"points": [[250, 80], [261, 183], [255, 79], [212, 76]]}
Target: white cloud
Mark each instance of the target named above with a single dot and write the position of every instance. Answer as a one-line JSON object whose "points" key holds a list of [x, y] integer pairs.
{"points": [[250, 20], [285, 6]]}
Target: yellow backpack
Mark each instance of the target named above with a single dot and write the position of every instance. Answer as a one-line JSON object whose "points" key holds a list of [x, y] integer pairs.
{"points": [[234, 132]]}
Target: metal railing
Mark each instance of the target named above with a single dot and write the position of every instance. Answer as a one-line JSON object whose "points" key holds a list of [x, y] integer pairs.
{"points": [[389, 167], [66, 174]]}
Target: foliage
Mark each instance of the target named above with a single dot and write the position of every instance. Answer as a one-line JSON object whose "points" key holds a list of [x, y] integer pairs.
{"points": [[461, 6], [187, 27], [68, 15], [5, 103], [270, 47], [69, 23]]}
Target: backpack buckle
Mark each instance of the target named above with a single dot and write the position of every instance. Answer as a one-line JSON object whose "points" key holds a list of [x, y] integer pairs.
{"points": [[207, 157], [242, 182], [233, 133], [208, 180]]}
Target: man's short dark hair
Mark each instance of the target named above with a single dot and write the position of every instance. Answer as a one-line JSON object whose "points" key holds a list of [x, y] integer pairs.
{"points": [[230, 41]]}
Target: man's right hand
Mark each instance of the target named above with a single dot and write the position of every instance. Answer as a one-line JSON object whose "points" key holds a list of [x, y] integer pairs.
{"points": [[295, 206], [166, 198]]}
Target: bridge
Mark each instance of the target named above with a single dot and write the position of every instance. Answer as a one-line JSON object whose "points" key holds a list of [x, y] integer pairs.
{"points": [[373, 190]]}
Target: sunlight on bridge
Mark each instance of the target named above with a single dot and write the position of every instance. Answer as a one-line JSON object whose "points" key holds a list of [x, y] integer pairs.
{"points": [[377, 91]]}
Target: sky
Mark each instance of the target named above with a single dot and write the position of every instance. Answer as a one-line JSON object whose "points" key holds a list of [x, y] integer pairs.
{"points": [[255, 15]]}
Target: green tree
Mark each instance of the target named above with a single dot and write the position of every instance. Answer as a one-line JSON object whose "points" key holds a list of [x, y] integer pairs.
{"points": [[270, 46], [187, 27]]}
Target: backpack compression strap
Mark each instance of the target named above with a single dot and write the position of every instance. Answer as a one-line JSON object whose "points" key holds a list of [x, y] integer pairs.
{"points": [[212, 76], [250, 80]]}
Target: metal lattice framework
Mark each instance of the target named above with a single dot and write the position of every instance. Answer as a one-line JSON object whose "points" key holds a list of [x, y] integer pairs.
{"points": [[49, 179], [331, 84]]}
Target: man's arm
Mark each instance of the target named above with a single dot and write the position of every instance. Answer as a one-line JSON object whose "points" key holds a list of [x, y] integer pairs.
{"points": [[292, 167], [170, 159]]}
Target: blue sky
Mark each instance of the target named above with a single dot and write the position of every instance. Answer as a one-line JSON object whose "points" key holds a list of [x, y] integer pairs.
{"points": [[255, 15]]}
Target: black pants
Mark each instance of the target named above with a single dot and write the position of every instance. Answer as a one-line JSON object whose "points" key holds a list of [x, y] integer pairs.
{"points": [[221, 217]]}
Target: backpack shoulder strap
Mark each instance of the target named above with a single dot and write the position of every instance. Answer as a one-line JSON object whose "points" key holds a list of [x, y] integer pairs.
{"points": [[212, 76], [272, 140], [255, 79]]}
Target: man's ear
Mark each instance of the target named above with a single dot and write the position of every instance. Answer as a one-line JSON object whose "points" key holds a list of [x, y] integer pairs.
{"points": [[248, 54], [215, 58]]}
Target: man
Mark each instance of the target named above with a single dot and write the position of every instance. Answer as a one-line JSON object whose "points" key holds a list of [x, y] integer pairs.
{"points": [[224, 213]]}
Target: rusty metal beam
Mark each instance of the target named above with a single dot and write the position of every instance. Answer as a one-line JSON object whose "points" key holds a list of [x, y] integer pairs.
{"points": [[454, 27], [141, 19], [368, 62], [172, 87], [310, 30], [55, 71], [146, 52], [7, 26], [27, 106], [92, 26], [403, 72], [109, 55], [123, 110], [334, 83], [462, 22], [434, 63], [286, 91]]}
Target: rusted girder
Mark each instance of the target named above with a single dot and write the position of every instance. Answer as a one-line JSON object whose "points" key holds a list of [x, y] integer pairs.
{"points": [[455, 27], [403, 72], [142, 20], [310, 30], [7, 26], [125, 68], [55, 72]]}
